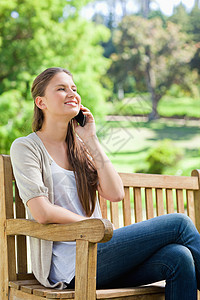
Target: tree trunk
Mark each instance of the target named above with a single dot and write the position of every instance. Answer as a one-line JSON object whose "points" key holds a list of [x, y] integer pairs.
{"points": [[151, 85], [154, 113], [112, 11], [145, 8], [123, 6]]}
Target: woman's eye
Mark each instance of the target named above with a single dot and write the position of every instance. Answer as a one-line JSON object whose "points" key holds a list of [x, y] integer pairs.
{"points": [[63, 89]]}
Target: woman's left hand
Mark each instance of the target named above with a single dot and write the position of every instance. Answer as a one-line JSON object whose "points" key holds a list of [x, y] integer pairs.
{"points": [[89, 129]]}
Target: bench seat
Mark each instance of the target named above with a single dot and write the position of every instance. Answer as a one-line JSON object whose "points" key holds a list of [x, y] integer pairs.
{"points": [[32, 287]]}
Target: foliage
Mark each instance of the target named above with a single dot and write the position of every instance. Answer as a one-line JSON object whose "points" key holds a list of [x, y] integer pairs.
{"points": [[181, 17], [189, 23], [194, 30], [15, 118], [35, 35], [155, 56], [162, 156], [131, 105]]}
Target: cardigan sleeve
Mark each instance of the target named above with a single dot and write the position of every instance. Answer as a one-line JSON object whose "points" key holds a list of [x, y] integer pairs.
{"points": [[27, 169]]}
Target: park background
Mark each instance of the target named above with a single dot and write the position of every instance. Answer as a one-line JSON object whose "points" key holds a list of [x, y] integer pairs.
{"points": [[137, 69]]}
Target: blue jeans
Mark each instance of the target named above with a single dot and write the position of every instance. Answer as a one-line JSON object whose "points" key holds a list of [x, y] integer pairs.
{"points": [[162, 248]]}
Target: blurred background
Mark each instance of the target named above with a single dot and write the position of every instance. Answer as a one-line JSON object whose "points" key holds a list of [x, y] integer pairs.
{"points": [[136, 64]]}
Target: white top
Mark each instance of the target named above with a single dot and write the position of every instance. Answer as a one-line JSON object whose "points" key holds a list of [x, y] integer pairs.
{"points": [[65, 195]]}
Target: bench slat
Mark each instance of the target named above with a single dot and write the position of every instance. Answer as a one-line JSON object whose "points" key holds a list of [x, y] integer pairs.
{"points": [[124, 292], [138, 204], [114, 211], [169, 201], [29, 288], [103, 206], [159, 202], [127, 207], [190, 205], [54, 294], [18, 283], [19, 295], [61, 295], [149, 203], [180, 201]]}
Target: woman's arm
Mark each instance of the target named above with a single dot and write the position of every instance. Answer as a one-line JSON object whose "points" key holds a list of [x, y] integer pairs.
{"points": [[110, 183], [45, 212]]}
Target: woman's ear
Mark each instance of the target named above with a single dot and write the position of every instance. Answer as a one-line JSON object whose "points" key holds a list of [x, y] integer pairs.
{"points": [[40, 102]]}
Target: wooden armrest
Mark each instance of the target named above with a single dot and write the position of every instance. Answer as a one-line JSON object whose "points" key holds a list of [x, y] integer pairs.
{"points": [[196, 173], [92, 230]]}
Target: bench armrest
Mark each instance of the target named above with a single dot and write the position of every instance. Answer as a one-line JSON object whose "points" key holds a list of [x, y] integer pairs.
{"points": [[92, 230]]}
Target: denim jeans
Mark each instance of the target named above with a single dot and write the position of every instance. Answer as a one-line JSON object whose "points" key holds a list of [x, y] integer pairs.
{"points": [[163, 248]]}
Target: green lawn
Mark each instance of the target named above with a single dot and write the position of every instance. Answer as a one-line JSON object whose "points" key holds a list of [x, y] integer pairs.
{"points": [[127, 143], [182, 107], [168, 106]]}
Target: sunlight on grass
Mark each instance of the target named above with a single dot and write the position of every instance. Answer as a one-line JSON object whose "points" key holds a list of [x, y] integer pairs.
{"points": [[127, 145], [184, 106], [168, 106]]}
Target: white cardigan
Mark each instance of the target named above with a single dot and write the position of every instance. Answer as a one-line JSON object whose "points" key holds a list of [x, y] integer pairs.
{"points": [[32, 170]]}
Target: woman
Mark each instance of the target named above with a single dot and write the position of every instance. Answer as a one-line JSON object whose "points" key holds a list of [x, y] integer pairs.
{"points": [[58, 169]]}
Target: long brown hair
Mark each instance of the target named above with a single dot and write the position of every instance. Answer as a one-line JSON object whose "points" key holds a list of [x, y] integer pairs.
{"points": [[79, 157]]}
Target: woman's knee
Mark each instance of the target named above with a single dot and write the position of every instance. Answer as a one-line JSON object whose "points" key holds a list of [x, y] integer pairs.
{"points": [[180, 217], [181, 221]]}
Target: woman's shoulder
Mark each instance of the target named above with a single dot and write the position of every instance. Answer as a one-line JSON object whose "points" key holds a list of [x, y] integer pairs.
{"points": [[29, 147], [29, 141]]}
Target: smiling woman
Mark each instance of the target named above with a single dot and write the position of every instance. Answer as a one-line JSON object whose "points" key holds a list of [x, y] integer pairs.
{"points": [[59, 167]]}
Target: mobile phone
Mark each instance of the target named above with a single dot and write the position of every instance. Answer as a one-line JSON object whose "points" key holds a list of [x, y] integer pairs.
{"points": [[80, 118]]}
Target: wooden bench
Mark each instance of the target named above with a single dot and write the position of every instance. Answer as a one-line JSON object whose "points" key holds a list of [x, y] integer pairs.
{"points": [[146, 196]]}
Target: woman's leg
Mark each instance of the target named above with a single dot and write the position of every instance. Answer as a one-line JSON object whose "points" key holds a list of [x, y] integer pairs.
{"points": [[132, 245], [173, 263]]}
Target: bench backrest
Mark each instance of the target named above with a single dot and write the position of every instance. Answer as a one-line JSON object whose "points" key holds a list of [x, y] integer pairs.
{"points": [[146, 196]]}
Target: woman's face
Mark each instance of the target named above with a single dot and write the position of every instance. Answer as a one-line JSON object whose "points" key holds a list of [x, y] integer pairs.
{"points": [[61, 97]]}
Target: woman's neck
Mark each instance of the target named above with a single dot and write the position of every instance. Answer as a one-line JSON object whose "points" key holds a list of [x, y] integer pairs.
{"points": [[54, 133]]}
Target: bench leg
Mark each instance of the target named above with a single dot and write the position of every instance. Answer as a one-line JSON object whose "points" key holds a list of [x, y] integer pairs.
{"points": [[86, 262]]}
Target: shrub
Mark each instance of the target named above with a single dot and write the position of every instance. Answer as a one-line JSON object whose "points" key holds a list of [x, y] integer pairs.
{"points": [[164, 155]]}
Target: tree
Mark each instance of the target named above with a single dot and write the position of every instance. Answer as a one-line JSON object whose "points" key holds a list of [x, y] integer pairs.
{"points": [[35, 35], [155, 56], [189, 23], [194, 31], [181, 17], [110, 18]]}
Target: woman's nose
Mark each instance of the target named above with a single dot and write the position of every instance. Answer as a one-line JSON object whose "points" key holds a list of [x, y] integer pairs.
{"points": [[71, 93]]}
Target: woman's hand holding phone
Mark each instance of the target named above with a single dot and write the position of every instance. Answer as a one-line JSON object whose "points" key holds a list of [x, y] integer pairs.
{"points": [[88, 129], [80, 118]]}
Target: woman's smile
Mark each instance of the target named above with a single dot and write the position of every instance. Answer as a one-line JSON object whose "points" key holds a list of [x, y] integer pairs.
{"points": [[71, 102]]}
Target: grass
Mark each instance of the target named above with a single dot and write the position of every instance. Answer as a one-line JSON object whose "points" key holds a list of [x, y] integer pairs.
{"points": [[127, 143], [182, 107], [168, 106]]}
